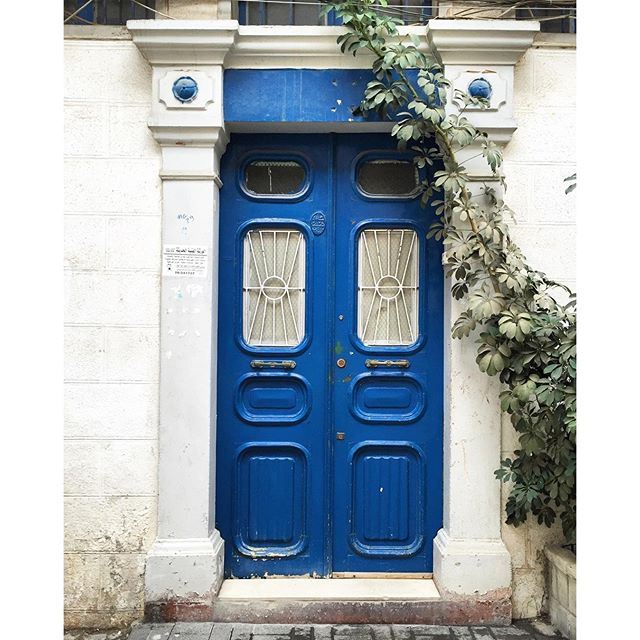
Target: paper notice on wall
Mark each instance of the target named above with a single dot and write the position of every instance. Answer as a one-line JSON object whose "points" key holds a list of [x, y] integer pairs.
{"points": [[185, 260]]}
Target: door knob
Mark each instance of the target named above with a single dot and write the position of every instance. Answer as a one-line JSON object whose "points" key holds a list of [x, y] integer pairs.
{"points": [[341, 362]]}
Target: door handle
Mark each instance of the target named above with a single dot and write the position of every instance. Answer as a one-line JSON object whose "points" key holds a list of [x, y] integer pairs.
{"points": [[374, 364], [273, 364]]}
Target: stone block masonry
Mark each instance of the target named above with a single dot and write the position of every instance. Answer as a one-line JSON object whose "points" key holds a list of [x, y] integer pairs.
{"points": [[112, 262], [541, 154]]}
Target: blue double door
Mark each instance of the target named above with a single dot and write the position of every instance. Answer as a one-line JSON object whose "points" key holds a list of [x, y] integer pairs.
{"points": [[329, 414]]}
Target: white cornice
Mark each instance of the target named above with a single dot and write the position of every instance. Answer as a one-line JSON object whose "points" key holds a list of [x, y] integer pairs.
{"points": [[285, 47], [190, 135], [487, 42], [184, 42], [224, 42]]}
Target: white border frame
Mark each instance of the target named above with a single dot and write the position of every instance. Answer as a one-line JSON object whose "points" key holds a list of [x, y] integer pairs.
{"points": [[186, 560]]}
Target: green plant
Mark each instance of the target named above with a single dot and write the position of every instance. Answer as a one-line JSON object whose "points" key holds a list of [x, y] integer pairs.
{"points": [[525, 335]]}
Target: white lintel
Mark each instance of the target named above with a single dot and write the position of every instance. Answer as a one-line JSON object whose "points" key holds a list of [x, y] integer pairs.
{"points": [[490, 42], [298, 47]]}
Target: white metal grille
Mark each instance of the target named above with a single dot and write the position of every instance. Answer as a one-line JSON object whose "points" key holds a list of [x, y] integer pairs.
{"points": [[274, 287], [388, 286]]}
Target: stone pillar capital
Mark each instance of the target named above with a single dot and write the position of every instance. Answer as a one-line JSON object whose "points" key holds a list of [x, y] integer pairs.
{"points": [[486, 51], [184, 43], [187, 58], [484, 42]]}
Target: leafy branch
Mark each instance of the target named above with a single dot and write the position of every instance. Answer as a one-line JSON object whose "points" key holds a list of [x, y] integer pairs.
{"points": [[526, 336]]}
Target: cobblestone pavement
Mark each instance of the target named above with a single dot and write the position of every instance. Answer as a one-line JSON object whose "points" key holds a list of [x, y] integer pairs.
{"points": [[535, 630]]}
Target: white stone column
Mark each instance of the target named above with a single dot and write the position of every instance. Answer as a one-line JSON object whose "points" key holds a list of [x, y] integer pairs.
{"points": [[469, 555], [185, 565]]}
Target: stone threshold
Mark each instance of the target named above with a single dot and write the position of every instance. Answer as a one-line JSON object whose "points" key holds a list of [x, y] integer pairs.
{"points": [[337, 601], [353, 601], [333, 589]]}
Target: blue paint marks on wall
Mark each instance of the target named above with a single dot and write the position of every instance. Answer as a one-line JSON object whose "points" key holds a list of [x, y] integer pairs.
{"points": [[294, 95]]}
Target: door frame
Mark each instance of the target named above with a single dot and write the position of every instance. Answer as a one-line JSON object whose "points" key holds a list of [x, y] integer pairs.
{"points": [[184, 564], [289, 147]]}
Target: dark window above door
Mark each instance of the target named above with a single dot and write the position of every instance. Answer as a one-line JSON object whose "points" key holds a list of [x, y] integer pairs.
{"points": [[81, 12], [307, 12]]}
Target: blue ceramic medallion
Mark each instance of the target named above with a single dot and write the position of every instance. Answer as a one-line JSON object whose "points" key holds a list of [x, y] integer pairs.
{"points": [[185, 89], [480, 88]]}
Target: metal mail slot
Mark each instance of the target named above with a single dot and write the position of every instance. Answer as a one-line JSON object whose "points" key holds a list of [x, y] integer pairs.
{"points": [[374, 364], [273, 364]]}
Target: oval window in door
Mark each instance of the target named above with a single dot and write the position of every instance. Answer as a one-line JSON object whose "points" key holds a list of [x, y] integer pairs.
{"points": [[388, 178], [268, 178]]}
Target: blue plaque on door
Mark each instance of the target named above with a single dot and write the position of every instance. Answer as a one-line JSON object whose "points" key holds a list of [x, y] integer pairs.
{"points": [[318, 223]]}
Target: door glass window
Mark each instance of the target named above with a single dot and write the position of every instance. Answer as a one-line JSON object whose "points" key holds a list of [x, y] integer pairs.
{"points": [[388, 178], [274, 287], [388, 286], [274, 177]]}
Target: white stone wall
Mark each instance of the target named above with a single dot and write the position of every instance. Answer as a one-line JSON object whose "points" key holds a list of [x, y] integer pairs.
{"points": [[541, 154], [112, 258]]}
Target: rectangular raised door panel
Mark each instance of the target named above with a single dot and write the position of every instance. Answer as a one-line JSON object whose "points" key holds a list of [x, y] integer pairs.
{"points": [[271, 501], [384, 498], [272, 505]]}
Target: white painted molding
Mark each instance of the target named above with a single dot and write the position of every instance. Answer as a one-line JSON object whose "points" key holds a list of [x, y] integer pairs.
{"points": [[193, 136], [173, 563], [186, 560], [382, 126], [185, 546], [470, 49], [488, 42], [285, 47], [498, 83], [500, 133], [469, 554], [184, 42], [470, 566], [203, 98], [197, 48]]}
